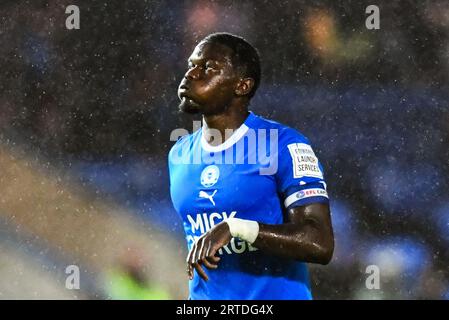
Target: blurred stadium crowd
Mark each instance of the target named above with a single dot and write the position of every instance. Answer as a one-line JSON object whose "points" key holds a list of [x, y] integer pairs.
{"points": [[86, 116]]}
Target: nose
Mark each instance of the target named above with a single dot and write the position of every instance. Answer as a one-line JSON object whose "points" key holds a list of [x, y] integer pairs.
{"points": [[192, 73]]}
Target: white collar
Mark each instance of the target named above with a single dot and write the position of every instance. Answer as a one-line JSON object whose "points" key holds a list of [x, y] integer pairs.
{"points": [[236, 136]]}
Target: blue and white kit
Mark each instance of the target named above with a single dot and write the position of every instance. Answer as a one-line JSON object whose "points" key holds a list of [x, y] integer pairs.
{"points": [[260, 171]]}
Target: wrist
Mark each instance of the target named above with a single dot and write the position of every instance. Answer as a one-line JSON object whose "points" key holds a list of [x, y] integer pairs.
{"points": [[246, 230]]}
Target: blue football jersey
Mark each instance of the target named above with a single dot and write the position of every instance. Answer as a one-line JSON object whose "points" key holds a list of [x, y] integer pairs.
{"points": [[260, 171]]}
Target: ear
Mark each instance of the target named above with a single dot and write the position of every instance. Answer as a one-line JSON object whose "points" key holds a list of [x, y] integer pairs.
{"points": [[244, 86]]}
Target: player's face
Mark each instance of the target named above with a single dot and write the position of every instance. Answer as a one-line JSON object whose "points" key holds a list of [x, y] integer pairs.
{"points": [[209, 84]]}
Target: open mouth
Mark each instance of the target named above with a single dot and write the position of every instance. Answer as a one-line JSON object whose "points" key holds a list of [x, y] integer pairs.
{"points": [[184, 94], [189, 100]]}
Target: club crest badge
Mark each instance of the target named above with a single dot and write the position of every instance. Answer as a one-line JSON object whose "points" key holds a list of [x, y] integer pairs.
{"points": [[210, 176]]}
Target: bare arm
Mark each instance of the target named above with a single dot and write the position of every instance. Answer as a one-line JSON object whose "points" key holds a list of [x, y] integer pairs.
{"points": [[306, 236]]}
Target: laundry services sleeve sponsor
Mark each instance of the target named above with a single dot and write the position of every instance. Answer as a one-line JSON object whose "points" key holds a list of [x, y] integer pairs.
{"points": [[304, 161], [300, 176]]}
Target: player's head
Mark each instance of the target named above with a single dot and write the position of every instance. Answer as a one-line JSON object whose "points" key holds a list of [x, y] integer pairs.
{"points": [[224, 70]]}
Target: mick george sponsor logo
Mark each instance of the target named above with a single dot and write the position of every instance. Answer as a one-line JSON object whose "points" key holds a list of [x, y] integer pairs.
{"points": [[203, 222]]}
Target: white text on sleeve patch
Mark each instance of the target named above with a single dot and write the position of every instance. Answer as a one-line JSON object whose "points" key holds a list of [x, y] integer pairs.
{"points": [[305, 163], [303, 194]]}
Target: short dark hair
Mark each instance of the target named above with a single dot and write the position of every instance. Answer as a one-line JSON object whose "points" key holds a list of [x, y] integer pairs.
{"points": [[244, 56]]}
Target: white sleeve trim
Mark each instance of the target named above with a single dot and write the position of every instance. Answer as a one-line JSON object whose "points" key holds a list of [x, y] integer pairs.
{"points": [[303, 194]]}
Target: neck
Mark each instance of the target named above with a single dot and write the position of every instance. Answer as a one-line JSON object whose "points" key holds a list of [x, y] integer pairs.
{"points": [[231, 119]]}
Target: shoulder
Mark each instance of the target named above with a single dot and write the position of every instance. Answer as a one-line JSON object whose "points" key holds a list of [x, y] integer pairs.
{"points": [[183, 143], [286, 135]]}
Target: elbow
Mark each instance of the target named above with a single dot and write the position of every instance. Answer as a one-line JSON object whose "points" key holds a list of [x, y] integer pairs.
{"points": [[326, 257], [317, 253], [325, 253]]}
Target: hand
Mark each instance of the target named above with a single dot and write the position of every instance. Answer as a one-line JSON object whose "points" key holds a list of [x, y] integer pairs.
{"points": [[204, 249]]}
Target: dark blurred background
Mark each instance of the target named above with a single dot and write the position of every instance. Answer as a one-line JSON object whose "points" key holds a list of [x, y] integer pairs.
{"points": [[86, 116]]}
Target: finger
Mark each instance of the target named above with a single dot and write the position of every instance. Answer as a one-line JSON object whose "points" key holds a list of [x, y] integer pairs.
{"points": [[194, 249], [189, 255], [212, 254], [199, 251], [213, 259], [205, 250], [209, 264], [190, 271], [199, 269], [209, 248], [189, 259]]}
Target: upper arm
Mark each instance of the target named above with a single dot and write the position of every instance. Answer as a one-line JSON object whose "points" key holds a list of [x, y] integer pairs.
{"points": [[303, 189], [315, 221], [300, 175], [315, 215]]}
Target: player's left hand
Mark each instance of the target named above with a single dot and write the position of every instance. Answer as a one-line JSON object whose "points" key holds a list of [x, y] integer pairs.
{"points": [[204, 249]]}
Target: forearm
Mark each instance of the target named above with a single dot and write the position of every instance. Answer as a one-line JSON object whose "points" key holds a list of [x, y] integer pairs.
{"points": [[293, 241], [306, 240]]}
